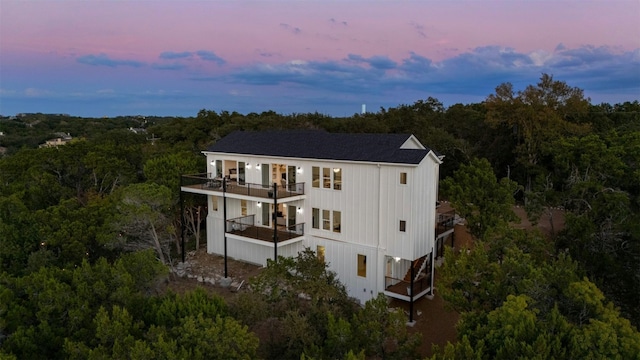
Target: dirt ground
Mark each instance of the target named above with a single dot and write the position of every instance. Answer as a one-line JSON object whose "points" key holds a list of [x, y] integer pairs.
{"points": [[432, 320]]}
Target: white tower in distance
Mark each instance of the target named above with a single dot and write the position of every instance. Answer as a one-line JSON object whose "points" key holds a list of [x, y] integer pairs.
{"points": [[364, 108]]}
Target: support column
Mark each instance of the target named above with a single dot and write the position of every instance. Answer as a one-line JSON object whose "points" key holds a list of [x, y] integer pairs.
{"points": [[182, 222], [411, 294], [224, 223], [275, 222]]}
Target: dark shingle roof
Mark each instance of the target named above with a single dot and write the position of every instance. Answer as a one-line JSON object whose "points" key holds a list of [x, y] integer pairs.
{"points": [[317, 144]]}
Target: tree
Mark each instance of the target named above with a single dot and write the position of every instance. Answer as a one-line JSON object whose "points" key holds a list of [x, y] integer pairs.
{"points": [[144, 219], [537, 115], [476, 194]]}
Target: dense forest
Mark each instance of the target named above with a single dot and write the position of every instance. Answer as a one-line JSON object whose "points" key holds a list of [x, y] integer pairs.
{"points": [[90, 229]]}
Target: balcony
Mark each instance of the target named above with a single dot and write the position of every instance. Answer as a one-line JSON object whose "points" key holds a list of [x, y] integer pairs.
{"points": [[445, 222], [245, 226], [203, 183], [401, 289]]}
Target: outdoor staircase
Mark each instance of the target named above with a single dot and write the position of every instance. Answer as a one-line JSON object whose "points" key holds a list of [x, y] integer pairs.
{"points": [[418, 265]]}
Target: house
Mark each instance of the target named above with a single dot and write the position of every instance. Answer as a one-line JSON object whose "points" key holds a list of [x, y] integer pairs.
{"points": [[366, 203], [61, 139]]}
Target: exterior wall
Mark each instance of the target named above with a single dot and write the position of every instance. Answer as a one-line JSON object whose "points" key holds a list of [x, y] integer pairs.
{"points": [[372, 202]]}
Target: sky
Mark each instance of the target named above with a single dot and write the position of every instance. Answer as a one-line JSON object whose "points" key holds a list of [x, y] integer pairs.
{"points": [[97, 58]]}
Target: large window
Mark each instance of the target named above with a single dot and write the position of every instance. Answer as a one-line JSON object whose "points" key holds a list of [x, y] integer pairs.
{"points": [[336, 221], [337, 178], [315, 221], [362, 265], [326, 220], [315, 177], [326, 178]]}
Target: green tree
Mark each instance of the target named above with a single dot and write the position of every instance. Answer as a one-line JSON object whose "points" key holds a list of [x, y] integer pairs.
{"points": [[537, 115], [480, 198], [144, 219]]}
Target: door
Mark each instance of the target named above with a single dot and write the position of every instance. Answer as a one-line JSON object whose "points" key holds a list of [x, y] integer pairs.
{"points": [[291, 217], [291, 175], [266, 210], [265, 175]]}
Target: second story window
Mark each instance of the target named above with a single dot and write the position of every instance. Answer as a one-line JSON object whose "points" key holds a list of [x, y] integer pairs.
{"points": [[326, 220]]}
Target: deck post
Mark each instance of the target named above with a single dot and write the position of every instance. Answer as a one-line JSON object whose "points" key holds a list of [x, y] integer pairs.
{"points": [[182, 221], [433, 270], [411, 294], [275, 222], [224, 223]]}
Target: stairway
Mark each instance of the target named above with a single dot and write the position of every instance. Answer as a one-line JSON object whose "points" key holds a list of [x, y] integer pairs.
{"points": [[418, 265]]}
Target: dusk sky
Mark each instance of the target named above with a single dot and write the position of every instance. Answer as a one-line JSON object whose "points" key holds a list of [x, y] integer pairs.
{"points": [[174, 58]]}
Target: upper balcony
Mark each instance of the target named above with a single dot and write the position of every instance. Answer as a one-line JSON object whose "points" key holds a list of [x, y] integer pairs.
{"points": [[206, 183]]}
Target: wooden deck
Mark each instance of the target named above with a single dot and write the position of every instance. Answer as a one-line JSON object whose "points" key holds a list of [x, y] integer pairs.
{"points": [[234, 188], [264, 234]]}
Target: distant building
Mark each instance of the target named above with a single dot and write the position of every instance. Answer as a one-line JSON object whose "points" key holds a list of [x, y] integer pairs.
{"points": [[61, 139], [138, 130]]}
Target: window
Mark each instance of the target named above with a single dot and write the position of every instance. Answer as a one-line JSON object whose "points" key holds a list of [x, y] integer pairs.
{"points": [[315, 177], [241, 173], [362, 265], [337, 178], [214, 203], [403, 225], [315, 221], [326, 178], [243, 206], [403, 178], [320, 253], [219, 168], [336, 221], [326, 220]]}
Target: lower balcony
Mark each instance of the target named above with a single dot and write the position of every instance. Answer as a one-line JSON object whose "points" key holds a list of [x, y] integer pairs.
{"points": [[245, 226], [402, 289]]}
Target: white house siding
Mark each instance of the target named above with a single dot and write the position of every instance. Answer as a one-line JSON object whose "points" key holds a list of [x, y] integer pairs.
{"points": [[424, 187], [396, 206], [342, 258], [372, 202]]}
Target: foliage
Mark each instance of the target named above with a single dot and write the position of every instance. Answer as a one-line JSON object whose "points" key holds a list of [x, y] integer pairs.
{"points": [[476, 194], [144, 220]]}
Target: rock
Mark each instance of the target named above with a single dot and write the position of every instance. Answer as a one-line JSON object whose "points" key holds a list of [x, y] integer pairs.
{"points": [[225, 282]]}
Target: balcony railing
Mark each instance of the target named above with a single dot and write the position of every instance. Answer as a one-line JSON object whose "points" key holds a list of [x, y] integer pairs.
{"points": [[245, 226], [208, 182], [403, 287], [445, 221]]}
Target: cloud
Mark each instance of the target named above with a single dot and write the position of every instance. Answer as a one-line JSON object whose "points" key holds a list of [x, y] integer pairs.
{"points": [[336, 22], [171, 66], [104, 60], [376, 62], [292, 29], [210, 56], [419, 29], [170, 55]]}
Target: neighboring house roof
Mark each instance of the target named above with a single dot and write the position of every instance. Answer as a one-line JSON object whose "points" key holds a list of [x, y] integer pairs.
{"points": [[318, 144]]}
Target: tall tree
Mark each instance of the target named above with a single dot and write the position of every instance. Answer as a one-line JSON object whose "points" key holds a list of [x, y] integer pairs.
{"points": [[537, 115], [478, 196]]}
